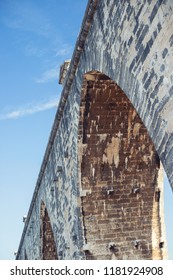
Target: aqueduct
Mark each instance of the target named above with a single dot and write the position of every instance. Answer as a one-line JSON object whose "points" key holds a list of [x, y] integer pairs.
{"points": [[99, 193]]}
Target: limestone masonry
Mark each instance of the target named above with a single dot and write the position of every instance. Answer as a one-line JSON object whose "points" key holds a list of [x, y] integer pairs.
{"points": [[99, 193]]}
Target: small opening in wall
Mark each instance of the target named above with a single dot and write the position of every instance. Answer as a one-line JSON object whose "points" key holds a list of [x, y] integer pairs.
{"points": [[110, 191], [112, 247], [157, 195], [161, 245], [137, 244], [135, 190], [66, 154], [55, 179], [59, 168]]}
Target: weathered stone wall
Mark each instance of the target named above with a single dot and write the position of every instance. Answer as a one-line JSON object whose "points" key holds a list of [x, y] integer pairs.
{"points": [[59, 192], [119, 176], [131, 43]]}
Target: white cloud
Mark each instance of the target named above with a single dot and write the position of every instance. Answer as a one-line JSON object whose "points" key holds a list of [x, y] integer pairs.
{"points": [[52, 74], [48, 76], [30, 109], [64, 51]]}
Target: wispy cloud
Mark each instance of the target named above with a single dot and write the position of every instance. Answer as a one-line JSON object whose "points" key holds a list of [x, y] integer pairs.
{"points": [[52, 74], [30, 109], [48, 76], [64, 50]]}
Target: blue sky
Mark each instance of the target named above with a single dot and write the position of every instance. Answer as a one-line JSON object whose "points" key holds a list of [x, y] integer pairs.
{"points": [[36, 37]]}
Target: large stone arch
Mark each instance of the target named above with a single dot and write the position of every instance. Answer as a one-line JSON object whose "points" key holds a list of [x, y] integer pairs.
{"points": [[48, 250], [121, 177], [132, 43]]}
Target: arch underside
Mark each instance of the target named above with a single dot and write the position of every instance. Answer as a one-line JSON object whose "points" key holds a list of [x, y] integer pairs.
{"points": [[121, 177], [48, 246]]}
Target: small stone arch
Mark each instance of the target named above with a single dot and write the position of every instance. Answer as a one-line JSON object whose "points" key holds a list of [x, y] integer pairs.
{"points": [[48, 249], [121, 176]]}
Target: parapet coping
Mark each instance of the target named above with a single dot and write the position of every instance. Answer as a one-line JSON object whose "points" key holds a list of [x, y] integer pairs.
{"points": [[86, 24]]}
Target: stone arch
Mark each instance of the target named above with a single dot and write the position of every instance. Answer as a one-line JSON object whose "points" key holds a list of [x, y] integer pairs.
{"points": [[121, 176], [135, 49], [48, 249]]}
